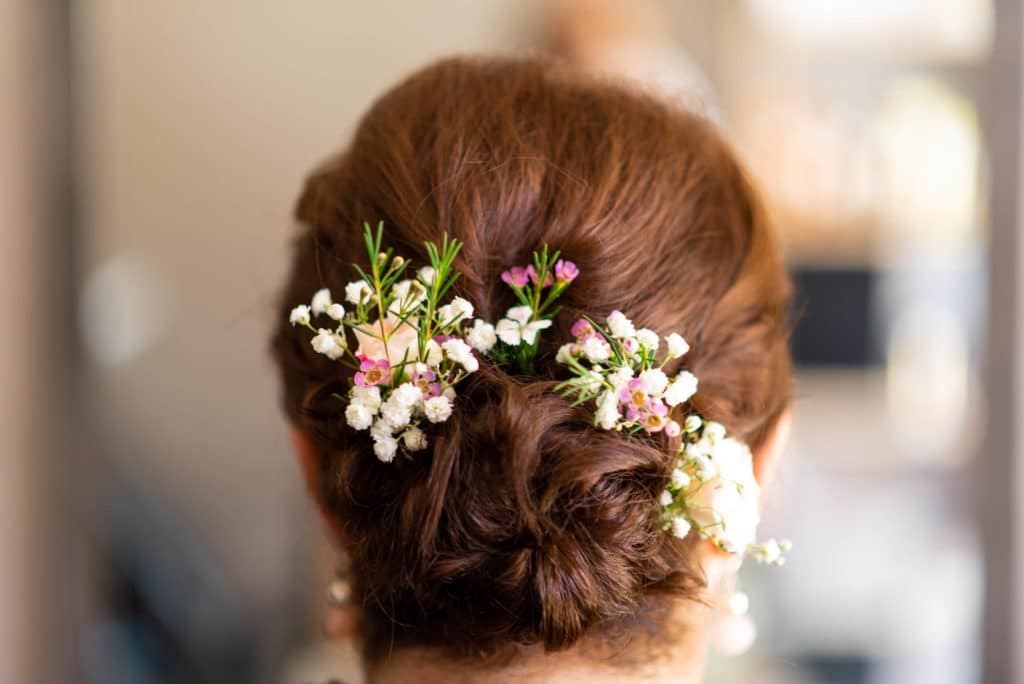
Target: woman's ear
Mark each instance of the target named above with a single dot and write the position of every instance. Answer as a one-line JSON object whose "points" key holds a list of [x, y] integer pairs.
{"points": [[309, 464], [769, 455]]}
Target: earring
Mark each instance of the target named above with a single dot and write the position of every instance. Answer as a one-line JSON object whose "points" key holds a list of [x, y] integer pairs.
{"points": [[733, 630], [339, 621]]}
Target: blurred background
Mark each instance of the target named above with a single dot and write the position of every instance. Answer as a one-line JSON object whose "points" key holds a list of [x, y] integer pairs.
{"points": [[153, 528]]}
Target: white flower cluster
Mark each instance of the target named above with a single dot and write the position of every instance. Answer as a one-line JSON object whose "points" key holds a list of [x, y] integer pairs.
{"points": [[617, 368], [713, 491], [411, 347]]}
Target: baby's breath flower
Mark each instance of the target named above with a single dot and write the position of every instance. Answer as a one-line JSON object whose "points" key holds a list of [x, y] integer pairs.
{"points": [[680, 527], [299, 314], [682, 387], [714, 431], [437, 409], [647, 338], [458, 310], [395, 413], [620, 377], [385, 448], [321, 300], [414, 439], [461, 353], [666, 498], [368, 396], [692, 423], [358, 292], [407, 394], [482, 336], [680, 479], [596, 349], [655, 380], [620, 326], [359, 416], [336, 311], [327, 343], [608, 413], [677, 346]]}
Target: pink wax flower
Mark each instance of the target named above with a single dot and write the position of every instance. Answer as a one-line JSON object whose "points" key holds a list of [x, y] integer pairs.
{"points": [[427, 382], [630, 345], [534, 278], [372, 372], [566, 271], [673, 429], [517, 276], [655, 417], [582, 329], [634, 394]]}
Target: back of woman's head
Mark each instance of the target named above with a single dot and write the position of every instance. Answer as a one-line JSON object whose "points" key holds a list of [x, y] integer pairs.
{"points": [[524, 524]]}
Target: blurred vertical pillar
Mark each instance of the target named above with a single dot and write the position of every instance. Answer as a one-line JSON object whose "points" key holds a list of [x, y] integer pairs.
{"points": [[1001, 499], [21, 226]]}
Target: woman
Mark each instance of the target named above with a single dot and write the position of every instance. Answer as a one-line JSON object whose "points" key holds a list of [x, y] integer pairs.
{"points": [[524, 516]]}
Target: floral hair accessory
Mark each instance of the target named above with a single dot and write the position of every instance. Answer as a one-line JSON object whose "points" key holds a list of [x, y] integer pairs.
{"points": [[411, 348], [713, 489], [414, 345]]}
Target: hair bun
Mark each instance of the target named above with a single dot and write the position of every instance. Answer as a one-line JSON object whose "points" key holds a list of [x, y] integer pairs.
{"points": [[525, 524]]}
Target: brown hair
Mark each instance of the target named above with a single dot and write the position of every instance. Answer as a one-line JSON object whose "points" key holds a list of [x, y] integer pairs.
{"points": [[524, 524]]}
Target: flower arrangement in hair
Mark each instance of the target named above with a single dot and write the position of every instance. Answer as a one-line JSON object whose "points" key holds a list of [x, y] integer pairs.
{"points": [[415, 342]]}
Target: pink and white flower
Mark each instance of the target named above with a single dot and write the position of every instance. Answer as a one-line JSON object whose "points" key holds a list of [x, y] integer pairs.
{"points": [[372, 372], [566, 271], [517, 327]]}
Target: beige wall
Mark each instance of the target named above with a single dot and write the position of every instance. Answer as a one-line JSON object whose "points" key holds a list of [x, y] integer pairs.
{"points": [[21, 227]]}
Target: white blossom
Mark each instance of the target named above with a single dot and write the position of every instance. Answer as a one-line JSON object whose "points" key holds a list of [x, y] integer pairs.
{"points": [[666, 498], [414, 439], [321, 300], [359, 416], [714, 431], [461, 353], [482, 336], [456, 311], [358, 291], [327, 343], [432, 353], [655, 381], [367, 396], [647, 338], [681, 527], [299, 314], [385, 448], [566, 353], [395, 414], [437, 409], [406, 394], [771, 551], [692, 424], [682, 387], [517, 327], [620, 377], [336, 311], [596, 349], [426, 275], [608, 414], [448, 393], [680, 479], [620, 326], [677, 346]]}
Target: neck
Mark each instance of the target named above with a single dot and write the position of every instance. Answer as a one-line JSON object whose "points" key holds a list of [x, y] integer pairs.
{"points": [[680, 661]]}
